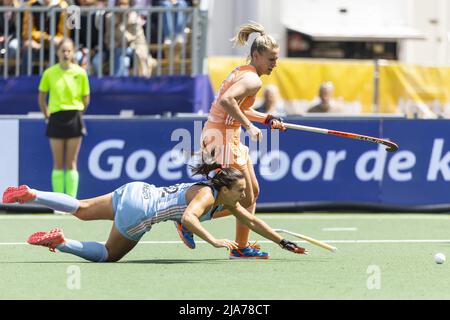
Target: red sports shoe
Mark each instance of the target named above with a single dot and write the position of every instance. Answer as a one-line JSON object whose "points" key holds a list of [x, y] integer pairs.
{"points": [[49, 239], [21, 194]]}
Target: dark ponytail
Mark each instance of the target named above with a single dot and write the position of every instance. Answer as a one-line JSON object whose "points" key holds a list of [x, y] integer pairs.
{"points": [[222, 177]]}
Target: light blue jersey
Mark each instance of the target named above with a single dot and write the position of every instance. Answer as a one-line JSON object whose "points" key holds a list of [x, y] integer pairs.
{"points": [[138, 206]]}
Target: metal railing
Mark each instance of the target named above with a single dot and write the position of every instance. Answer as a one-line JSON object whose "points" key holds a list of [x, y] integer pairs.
{"points": [[168, 55]]}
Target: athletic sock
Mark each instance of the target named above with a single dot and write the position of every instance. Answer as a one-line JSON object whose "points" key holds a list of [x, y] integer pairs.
{"points": [[71, 179], [58, 180], [92, 251], [57, 201]]}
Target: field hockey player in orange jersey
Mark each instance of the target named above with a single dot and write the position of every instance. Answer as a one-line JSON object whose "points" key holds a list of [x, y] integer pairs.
{"points": [[232, 109]]}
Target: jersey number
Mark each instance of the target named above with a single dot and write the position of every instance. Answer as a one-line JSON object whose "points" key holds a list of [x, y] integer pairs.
{"points": [[170, 190]]}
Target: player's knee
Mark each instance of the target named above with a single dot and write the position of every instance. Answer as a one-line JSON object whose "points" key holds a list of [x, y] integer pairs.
{"points": [[253, 196], [71, 165], [82, 212], [113, 259], [248, 201], [113, 256], [255, 193]]}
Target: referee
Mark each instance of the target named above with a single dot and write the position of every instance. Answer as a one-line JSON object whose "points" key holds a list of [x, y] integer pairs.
{"points": [[67, 86]]}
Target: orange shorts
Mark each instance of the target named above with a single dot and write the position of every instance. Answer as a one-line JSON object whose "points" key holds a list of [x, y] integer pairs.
{"points": [[229, 151]]}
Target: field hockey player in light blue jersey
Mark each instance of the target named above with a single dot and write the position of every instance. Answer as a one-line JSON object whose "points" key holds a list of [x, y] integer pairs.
{"points": [[137, 206]]}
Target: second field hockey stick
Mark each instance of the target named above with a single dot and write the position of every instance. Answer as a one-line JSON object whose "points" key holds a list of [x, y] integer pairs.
{"points": [[309, 239], [391, 146]]}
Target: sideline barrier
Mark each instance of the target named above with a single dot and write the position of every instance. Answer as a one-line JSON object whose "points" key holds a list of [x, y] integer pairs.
{"points": [[110, 95], [311, 167]]}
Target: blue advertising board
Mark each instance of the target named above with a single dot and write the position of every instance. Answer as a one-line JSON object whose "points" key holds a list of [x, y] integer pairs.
{"points": [[291, 166], [111, 95]]}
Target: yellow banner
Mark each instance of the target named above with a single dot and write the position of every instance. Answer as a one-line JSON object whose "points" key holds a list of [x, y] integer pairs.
{"points": [[299, 79], [417, 91]]}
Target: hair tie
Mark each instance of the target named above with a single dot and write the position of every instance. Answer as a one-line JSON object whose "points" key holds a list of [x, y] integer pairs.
{"points": [[215, 172]]}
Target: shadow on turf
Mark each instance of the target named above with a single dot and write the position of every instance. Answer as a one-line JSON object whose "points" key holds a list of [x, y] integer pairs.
{"points": [[172, 261], [155, 261], [177, 261]]}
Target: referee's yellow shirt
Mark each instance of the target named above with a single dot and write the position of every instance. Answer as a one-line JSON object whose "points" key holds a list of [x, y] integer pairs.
{"points": [[65, 87]]}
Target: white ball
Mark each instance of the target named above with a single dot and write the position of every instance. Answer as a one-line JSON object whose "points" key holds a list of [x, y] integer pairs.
{"points": [[439, 258]]}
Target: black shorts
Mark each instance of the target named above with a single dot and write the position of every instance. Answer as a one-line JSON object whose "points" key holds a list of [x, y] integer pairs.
{"points": [[65, 125]]}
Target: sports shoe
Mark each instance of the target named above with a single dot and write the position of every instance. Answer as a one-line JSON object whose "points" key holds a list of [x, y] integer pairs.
{"points": [[50, 239], [254, 245], [185, 235], [21, 194], [249, 252]]}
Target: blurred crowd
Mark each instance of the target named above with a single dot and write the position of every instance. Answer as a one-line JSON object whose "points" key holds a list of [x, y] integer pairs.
{"points": [[325, 102], [120, 37]]}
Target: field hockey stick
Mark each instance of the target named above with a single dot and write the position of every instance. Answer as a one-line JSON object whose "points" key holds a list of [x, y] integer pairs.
{"points": [[391, 146], [309, 239]]}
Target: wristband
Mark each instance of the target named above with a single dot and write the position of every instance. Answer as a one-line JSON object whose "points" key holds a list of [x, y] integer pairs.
{"points": [[269, 119], [283, 243]]}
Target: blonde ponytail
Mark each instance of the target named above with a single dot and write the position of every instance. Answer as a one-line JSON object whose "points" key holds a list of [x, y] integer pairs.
{"points": [[261, 43], [245, 31]]}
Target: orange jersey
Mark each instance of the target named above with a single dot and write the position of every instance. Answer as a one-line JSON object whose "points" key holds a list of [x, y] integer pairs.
{"points": [[217, 113]]}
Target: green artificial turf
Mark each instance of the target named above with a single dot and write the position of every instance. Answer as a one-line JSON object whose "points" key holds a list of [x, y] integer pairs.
{"points": [[163, 268]]}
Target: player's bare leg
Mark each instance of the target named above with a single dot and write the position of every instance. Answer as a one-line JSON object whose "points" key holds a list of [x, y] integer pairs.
{"points": [[98, 208], [247, 251], [249, 202], [58, 150], [58, 147]]}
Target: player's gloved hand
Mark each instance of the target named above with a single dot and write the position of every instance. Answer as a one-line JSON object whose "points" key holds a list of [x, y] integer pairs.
{"points": [[291, 246], [275, 122]]}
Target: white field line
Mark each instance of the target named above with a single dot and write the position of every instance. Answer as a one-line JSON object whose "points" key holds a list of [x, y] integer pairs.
{"points": [[331, 216], [267, 241], [340, 229], [35, 217], [336, 216]]}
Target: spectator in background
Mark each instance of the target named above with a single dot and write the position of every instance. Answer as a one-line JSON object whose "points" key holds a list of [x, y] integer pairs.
{"points": [[136, 46], [67, 86], [174, 22], [88, 53], [33, 40], [272, 103], [145, 17], [142, 3], [8, 42], [325, 104]]}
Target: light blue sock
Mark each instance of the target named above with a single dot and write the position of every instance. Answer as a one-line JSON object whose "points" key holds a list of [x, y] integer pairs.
{"points": [[92, 251], [57, 201]]}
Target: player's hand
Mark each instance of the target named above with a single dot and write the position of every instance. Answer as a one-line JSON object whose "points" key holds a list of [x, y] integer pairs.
{"points": [[254, 133], [291, 246], [225, 243], [275, 122]]}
